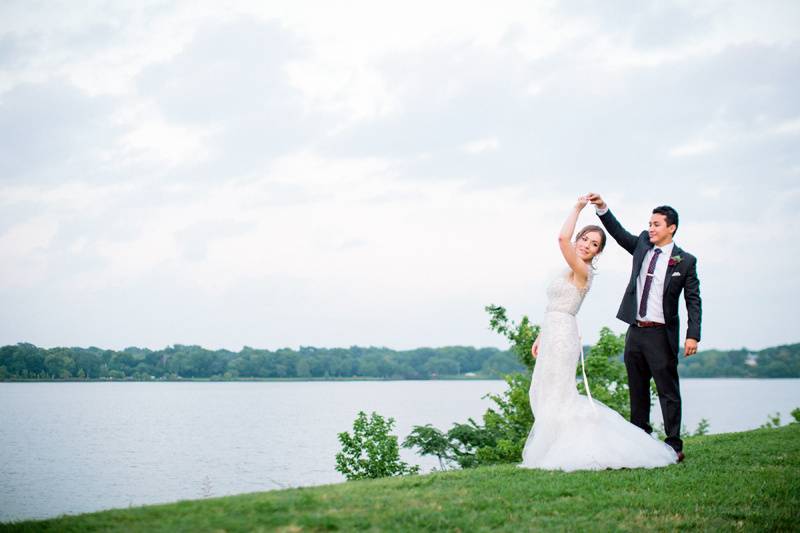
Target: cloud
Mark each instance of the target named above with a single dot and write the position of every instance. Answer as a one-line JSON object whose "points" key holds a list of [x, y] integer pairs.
{"points": [[14, 50], [195, 239], [789, 127], [53, 132], [231, 80], [488, 144], [230, 70], [23, 257], [693, 148], [647, 25]]}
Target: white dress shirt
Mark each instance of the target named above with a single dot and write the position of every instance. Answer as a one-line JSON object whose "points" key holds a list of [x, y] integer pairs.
{"points": [[655, 299]]}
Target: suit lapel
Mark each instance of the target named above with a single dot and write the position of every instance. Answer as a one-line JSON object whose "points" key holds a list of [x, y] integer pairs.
{"points": [[671, 268], [637, 263]]}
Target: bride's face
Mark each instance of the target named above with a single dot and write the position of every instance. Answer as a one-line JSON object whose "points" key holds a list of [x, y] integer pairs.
{"points": [[588, 245]]}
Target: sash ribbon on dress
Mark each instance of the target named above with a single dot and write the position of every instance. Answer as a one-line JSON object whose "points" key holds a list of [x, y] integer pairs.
{"points": [[585, 379]]}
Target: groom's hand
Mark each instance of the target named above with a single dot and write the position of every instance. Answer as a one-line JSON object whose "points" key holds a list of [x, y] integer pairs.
{"points": [[597, 200], [689, 347]]}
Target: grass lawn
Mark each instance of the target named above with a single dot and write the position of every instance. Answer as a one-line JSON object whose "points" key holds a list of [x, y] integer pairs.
{"points": [[735, 481]]}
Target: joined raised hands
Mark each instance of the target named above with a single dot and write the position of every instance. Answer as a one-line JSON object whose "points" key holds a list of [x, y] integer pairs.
{"points": [[597, 200]]}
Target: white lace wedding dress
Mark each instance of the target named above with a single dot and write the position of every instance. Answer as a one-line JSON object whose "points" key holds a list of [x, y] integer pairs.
{"points": [[572, 432]]}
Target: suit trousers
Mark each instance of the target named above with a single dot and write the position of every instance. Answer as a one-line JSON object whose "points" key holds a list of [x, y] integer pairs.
{"points": [[648, 355]]}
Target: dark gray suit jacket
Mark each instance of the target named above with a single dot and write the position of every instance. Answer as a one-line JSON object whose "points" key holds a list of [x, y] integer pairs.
{"points": [[680, 276]]}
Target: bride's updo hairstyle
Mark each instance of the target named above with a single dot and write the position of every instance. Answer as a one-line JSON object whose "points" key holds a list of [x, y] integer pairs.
{"points": [[592, 229]]}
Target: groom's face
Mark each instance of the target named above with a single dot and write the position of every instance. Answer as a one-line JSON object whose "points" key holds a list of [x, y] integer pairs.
{"points": [[660, 233]]}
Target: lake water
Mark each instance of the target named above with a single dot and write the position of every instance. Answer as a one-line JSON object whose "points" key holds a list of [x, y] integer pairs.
{"points": [[69, 448]]}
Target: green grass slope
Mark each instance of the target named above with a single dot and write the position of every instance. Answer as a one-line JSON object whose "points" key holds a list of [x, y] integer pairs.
{"points": [[736, 481]]}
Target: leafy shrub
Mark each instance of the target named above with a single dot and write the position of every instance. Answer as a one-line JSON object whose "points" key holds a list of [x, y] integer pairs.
{"points": [[431, 441], [371, 452], [701, 429], [773, 421]]}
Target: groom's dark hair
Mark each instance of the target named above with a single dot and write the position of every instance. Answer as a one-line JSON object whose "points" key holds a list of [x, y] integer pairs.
{"points": [[670, 214]]}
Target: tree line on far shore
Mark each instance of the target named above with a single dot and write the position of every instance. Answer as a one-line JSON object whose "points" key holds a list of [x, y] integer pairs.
{"points": [[774, 362], [27, 361]]}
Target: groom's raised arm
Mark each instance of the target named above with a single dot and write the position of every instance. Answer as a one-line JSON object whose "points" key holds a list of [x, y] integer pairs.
{"points": [[610, 222], [620, 234]]}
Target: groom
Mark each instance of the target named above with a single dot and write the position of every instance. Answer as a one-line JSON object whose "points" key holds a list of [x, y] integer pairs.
{"points": [[661, 270]]}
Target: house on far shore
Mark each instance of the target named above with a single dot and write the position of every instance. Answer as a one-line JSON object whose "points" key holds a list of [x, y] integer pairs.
{"points": [[752, 359]]}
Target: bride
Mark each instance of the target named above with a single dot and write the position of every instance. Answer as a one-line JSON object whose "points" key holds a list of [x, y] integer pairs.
{"points": [[571, 431]]}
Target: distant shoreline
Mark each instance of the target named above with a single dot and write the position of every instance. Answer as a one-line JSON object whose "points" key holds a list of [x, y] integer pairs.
{"points": [[27, 362], [232, 380], [331, 380]]}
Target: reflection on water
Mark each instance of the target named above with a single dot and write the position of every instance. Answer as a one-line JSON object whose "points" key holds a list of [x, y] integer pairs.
{"points": [[78, 447]]}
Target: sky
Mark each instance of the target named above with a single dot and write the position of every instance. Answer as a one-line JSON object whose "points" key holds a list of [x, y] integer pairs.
{"points": [[285, 174]]}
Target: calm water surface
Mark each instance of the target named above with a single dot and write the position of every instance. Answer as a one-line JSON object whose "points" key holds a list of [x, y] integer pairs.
{"points": [[79, 447]]}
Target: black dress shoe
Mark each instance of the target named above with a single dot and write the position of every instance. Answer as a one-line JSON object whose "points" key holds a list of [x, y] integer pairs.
{"points": [[680, 457]]}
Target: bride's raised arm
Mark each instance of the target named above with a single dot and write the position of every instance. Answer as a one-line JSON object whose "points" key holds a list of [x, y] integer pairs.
{"points": [[578, 266]]}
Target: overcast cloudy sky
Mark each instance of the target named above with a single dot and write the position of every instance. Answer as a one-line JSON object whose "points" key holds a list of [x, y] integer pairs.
{"points": [[374, 173]]}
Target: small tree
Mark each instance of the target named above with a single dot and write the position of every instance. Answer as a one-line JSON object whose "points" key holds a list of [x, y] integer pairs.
{"points": [[521, 336], [430, 441], [371, 452]]}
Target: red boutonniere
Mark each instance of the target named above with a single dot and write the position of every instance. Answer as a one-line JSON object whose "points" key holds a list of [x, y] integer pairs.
{"points": [[674, 260]]}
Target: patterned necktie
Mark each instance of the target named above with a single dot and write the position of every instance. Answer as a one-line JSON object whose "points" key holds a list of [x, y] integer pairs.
{"points": [[647, 282]]}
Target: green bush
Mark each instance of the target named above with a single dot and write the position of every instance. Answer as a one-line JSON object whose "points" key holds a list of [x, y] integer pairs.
{"points": [[371, 452], [773, 421], [431, 441], [701, 429]]}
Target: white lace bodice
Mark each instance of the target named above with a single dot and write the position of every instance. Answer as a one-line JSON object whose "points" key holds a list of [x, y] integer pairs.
{"points": [[565, 297]]}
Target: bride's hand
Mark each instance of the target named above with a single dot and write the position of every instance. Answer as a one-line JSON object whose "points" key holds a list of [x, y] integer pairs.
{"points": [[597, 200], [535, 348], [582, 201]]}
